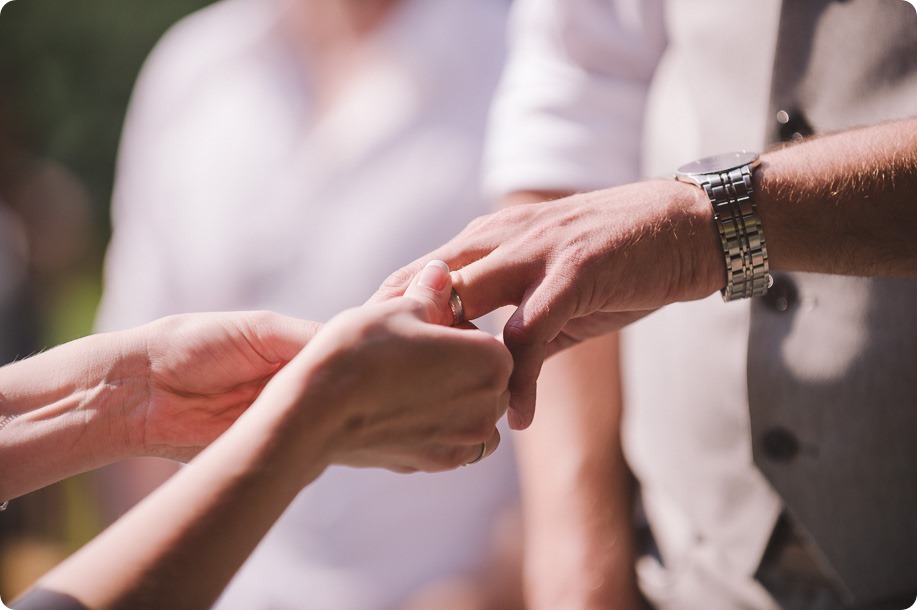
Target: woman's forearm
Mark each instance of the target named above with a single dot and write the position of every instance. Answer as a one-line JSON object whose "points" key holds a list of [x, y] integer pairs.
{"points": [[180, 547], [383, 385], [165, 389], [67, 411]]}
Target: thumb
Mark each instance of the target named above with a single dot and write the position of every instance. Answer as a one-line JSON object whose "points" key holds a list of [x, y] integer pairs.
{"points": [[431, 289]]}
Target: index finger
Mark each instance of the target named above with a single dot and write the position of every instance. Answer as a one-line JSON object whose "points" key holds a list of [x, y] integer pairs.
{"points": [[495, 280], [468, 246]]}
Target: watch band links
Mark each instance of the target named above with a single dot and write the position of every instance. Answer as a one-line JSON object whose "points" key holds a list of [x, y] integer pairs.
{"points": [[740, 233]]}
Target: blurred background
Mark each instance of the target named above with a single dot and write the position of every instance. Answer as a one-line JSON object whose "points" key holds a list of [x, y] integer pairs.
{"points": [[66, 73], [360, 124]]}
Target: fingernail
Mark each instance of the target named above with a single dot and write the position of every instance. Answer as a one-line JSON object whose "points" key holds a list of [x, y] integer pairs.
{"points": [[518, 420], [514, 420], [434, 275]]}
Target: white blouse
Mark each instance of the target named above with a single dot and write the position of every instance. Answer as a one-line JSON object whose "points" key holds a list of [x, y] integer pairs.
{"points": [[232, 194]]}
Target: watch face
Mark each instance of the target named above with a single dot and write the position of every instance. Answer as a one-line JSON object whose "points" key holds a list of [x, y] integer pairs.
{"points": [[719, 163]]}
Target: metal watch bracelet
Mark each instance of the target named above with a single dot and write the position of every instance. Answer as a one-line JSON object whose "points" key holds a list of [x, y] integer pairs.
{"points": [[727, 181], [740, 232]]}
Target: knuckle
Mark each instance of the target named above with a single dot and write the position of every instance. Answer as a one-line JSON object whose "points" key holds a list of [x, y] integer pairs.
{"points": [[396, 283], [574, 255], [358, 333], [481, 222], [495, 365], [475, 224], [504, 366], [498, 378], [263, 317], [258, 324], [448, 458], [172, 322], [515, 332], [481, 427], [493, 443], [455, 457]]}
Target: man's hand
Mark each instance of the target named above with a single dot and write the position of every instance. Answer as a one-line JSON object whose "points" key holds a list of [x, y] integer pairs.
{"points": [[579, 267]]}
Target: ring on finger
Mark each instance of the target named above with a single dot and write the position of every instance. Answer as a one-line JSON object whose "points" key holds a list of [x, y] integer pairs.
{"points": [[458, 309], [480, 455]]}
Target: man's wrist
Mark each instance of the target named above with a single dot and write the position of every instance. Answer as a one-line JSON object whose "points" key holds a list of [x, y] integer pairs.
{"points": [[704, 270], [727, 181]]}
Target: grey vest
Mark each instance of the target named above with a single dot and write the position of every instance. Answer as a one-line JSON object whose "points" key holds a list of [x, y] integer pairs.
{"points": [[832, 361]]}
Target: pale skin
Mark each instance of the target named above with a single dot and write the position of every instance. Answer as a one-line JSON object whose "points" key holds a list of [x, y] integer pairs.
{"points": [[589, 264], [387, 385]]}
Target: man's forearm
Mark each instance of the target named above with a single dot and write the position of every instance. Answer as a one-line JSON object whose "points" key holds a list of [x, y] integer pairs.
{"points": [[577, 490], [843, 203], [590, 264]]}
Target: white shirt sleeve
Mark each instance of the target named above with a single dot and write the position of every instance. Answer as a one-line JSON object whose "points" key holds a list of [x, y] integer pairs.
{"points": [[569, 111]]}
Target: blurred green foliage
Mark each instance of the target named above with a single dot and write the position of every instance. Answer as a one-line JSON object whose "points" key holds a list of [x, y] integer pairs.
{"points": [[66, 73]]}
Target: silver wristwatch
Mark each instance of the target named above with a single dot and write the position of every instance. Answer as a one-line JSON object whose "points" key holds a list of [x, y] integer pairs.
{"points": [[727, 181]]}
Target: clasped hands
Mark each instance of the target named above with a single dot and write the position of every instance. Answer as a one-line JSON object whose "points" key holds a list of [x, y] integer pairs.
{"points": [[387, 385], [578, 267], [391, 384]]}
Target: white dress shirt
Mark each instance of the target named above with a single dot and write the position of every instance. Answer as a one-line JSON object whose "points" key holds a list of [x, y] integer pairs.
{"points": [[602, 92], [233, 193]]}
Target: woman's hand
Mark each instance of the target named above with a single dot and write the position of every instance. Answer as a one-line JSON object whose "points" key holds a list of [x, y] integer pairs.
{"points": [[383, 385], [166, 389], [392, 386], [204, 370]]}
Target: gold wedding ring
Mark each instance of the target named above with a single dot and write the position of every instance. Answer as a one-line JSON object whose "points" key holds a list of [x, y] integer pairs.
{"points": [[458, 311], [480, 455]]}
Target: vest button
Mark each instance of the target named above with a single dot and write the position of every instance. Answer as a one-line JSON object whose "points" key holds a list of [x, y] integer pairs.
{"points": [[780, 444], [782, 295], [792, 125]]}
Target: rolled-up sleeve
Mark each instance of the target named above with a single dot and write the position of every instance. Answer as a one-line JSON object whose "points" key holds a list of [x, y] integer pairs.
{"points": [[568, 115]]}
